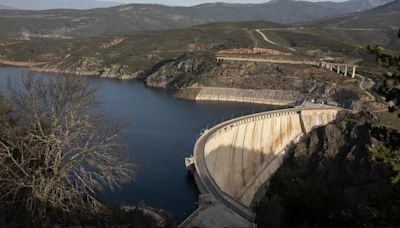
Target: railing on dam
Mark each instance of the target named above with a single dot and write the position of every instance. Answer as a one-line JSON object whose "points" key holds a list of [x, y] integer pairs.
{"points": [[238, 197]]}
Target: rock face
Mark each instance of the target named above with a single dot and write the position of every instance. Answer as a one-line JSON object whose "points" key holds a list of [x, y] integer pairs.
{"points": [[329, 179], [339, 153], [183, 71], [117, 71]]}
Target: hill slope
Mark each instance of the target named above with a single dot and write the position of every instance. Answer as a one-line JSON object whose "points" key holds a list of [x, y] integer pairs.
{"points": [[376, 26], [184, 58], [138, 17]]}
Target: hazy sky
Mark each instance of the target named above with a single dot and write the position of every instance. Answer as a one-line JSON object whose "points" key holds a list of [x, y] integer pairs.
{"points": [[195, 2]]}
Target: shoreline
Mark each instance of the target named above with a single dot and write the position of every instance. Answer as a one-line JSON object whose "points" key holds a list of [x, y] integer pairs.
{"points": [[216, 94]]}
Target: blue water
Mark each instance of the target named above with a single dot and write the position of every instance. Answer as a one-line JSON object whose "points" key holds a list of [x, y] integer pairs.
{"points": [[162, 131]]}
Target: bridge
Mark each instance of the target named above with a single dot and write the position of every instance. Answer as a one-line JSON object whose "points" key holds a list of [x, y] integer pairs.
{"points": [[234, 159], [339, 67]]}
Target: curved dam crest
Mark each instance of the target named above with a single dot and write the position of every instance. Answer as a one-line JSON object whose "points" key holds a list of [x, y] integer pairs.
{"points": [[234, 159]]}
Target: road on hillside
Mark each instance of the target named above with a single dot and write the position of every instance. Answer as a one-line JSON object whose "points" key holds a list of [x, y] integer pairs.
{"points": [[272, 42], [363, 88], [363, 78]]}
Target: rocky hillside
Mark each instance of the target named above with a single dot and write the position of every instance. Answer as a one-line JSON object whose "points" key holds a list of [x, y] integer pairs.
{"points": [[196, 70], [331, 180], [184, 71], [185, 58], [137, 17]]}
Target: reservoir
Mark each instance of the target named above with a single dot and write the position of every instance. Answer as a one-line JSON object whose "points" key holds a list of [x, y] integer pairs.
{"points": [[162, 131]]}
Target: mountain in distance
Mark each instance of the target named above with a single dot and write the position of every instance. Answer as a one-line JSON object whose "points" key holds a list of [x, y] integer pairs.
{"points": [[385, 17], [284, 11], [375, 26], [387, 8], [362, 5], [141, 17], [56, 4], [6, 7]]}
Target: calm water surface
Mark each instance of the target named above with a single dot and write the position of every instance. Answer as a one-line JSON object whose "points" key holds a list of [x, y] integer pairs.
{"points": [[161, 133]]}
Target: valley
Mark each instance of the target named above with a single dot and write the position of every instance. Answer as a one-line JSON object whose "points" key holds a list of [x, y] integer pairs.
{"points": [[219, 69]]}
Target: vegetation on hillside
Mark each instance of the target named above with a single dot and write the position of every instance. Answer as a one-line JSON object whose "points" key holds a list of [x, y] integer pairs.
{"points": [[137, 51], [388, 85], [144, 17]]}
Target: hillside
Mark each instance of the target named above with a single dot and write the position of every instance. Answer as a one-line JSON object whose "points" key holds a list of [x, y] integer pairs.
{"points": [[141, 50], [138, 50], [139, 17], [185, 58], [376, 26], [382, 17]]}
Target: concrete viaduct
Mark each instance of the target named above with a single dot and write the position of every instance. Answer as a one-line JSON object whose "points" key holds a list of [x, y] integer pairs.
{"points": [[234, 159], [338, 67]]}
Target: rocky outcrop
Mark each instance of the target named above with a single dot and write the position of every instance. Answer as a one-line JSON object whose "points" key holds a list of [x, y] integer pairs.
{"points": [[183, 71], [339, 153], [117, 71], [330, 180]]}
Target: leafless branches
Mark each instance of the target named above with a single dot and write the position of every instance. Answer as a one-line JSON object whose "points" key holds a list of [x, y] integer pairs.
{"points": [[57, 149]]}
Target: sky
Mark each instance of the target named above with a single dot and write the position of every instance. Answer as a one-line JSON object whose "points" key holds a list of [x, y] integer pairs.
{"points": [[196, 2]]}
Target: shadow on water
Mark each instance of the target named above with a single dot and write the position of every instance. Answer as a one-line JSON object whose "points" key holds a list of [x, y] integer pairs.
{"points": [[161, 133]]}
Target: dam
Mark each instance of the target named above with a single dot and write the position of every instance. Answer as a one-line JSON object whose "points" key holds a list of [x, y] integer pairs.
{"points": [[234, 159]]}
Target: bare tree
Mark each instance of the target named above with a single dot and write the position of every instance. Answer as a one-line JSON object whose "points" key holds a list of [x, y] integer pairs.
{"points": [[57, 148]]}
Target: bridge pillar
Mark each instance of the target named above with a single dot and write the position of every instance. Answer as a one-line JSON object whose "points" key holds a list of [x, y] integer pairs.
{"points": [[345, 71], [354, 72], [338, 69], [330, 66]]}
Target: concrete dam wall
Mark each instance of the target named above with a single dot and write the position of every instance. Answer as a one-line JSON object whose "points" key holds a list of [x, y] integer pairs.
{"points": [[242, 156], [273, 97], [234, 159]]}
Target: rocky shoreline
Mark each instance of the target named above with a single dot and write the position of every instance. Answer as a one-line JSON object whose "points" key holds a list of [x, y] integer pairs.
{"points": [[199, 76]]}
